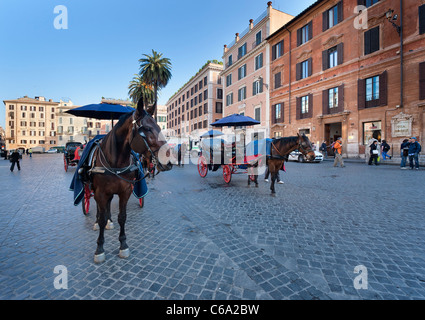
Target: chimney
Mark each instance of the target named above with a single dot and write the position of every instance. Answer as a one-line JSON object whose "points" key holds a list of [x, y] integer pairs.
{"points": [[269, 7], [251, 24], [225, 48], [237, 37]]}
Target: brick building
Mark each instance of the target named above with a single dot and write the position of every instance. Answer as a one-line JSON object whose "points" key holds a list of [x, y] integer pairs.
{"points": [[339, 73], [197, 104], [246, 61]]}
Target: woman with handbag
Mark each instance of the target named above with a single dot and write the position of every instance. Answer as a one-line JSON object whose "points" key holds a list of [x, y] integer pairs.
{"points": [[374, 153]]}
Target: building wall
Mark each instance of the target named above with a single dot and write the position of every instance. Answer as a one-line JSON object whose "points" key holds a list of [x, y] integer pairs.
{"points": [[183, 116], [350, 116], [266, 23]]}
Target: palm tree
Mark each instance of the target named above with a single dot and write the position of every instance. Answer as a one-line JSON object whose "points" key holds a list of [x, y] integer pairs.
{"points": [[156, 71], [139, 88]]}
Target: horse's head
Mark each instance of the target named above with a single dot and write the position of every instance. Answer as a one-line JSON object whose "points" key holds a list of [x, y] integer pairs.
{"points": [[147, 138], [305, 147]]}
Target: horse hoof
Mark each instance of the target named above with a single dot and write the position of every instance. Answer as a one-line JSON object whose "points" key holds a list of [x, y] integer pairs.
{"points": [[109, 225], [96, 227], [99, 258], [124, 254]]}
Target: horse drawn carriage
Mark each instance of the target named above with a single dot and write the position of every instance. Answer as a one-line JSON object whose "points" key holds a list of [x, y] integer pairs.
{"points": [[69, 158]]}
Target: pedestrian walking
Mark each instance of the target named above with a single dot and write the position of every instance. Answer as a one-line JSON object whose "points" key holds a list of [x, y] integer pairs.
{"points": [[374, 153], [385, 148], [414, 149], [30, 152], [338, 153], [404, 153], [14, 158], [324, 149]]}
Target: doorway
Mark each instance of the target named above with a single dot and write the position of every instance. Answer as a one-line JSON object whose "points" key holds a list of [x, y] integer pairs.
{"points": [[332, 132]]}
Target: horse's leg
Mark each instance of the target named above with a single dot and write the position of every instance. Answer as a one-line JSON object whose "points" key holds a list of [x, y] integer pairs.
{"points": [[109, 224], [272, 169], [99, 255], [122, 217]]}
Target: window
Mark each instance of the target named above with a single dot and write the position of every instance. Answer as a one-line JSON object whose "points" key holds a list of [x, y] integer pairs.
{"points": [[372, 92], [422, 81], [259, 61], [242, 51], [205, 94], [257, 87], [305, 33], [229, 99], [219, 93], [218, 107], [278, 134], [332, 57], [242, 94], [333, 16], [304, 104], [277, 80], [229, 61], [228, 80], [368, 3], [205, 108], [257, 114], [242, 72], [205, 81], [422, 19], [371, 40], [258, 38], [371, 130], [304, 69], [304, 107], [277, 113], [277, 50], [372, 88], [333, 98]]}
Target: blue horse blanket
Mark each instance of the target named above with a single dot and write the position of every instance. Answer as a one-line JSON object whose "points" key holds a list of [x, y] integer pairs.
{"points": [[140, 187]]}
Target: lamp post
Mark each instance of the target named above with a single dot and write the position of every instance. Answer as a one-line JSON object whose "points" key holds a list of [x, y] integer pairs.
{"points": [[391, 17]]}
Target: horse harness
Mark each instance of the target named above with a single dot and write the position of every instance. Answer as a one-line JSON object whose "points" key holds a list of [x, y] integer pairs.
{"points": [[280, 156]]}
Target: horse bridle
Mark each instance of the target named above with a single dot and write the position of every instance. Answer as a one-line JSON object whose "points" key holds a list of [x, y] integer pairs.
{"points": [[300, 148], [135, 134]]}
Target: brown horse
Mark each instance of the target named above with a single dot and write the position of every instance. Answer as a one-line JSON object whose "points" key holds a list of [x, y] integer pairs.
{"points": [[136, 131], [281, 148]]}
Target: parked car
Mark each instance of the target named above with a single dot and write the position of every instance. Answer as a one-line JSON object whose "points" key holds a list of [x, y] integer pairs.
{"points": [[298, 156], [52, 150]]}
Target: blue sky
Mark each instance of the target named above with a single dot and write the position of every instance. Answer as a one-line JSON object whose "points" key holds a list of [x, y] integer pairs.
{"points": [[98, 54]]}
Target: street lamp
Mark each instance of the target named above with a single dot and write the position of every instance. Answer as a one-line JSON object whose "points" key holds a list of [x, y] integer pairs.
{"points": [[391, 18]]}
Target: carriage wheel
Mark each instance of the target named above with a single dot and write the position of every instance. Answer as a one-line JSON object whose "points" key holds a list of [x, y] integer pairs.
{"points": [[65, 164], [86, 199], [141, 202], [202, 166], [227, 174]]}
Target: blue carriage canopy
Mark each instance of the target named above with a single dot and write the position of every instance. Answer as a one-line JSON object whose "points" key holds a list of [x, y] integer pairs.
{"points": [[235, 120]]}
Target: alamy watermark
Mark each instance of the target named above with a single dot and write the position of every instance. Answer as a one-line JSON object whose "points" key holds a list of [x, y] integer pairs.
{"points": [[61, 20], [60, 281], [361, 281]]}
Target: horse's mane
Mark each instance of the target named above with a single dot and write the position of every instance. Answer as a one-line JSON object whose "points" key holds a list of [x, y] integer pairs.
{"points": [[287, 139]]}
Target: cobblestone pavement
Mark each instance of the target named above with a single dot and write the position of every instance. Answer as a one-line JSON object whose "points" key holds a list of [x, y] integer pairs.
{"points": [[197, 238]]}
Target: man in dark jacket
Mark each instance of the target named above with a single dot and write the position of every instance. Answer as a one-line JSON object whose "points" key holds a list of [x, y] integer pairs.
{"points": [[404, 153], [14, 158], [414, 149]]}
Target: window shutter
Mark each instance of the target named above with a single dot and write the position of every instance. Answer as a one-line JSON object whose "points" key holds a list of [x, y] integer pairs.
{"points": [[340, 11], [273, 114], [340, 53], [361, 2], [299, 37], [281, 111], [298, 71], [374, 39], [422, 80], [422, 19], [261, 85], [253, 89], [310, 105], [325, 60], [310, 66], [361, 94], [310, 30], [367, 42], [325, 22], [325, 101], [383, 90], [274, 52], [298, 109], [341, 98], [281, 49], [277, 80]]}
